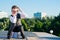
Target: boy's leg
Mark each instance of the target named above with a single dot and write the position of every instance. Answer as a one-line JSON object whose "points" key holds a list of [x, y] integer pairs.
{"points": [[18, 34], [22, 32], [10, 30]]}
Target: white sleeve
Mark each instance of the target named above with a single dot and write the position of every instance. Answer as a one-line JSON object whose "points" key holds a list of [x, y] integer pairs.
{"points": [[11, 19]]}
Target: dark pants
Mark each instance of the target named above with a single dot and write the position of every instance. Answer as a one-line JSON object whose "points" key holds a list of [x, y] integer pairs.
{"points": [[11, 30]]}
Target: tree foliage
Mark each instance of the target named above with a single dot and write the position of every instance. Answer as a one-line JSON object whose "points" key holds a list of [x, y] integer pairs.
{"points": [[34, 24]]}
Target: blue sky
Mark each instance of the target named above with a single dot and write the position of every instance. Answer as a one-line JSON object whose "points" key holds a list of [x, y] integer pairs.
{"points": [[51, 7]]}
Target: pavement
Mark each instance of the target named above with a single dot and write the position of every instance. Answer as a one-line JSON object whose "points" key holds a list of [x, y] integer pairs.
{"points": [[30, 36]]}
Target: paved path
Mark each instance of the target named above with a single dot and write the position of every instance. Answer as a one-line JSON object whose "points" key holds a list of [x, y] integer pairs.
{"points": [[30, 36]]}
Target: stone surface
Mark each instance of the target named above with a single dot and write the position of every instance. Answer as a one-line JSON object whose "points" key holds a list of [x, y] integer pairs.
{"points": [[30, 36]]}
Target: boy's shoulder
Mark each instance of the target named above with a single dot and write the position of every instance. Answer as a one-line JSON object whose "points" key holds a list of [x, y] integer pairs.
{"points": [[11, 15]]}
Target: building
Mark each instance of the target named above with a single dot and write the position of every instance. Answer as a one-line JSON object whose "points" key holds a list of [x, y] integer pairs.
{"points": [[44, 14], [40, 15], [37, 15]]}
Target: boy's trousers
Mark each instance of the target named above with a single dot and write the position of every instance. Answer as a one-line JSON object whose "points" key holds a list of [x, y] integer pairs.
{"points": [[13, 25]]}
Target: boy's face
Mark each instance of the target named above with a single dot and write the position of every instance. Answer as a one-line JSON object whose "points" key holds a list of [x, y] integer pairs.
{"points": [[14, 10]]}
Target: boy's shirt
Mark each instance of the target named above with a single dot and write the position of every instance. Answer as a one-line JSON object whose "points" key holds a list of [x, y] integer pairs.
{"points": [[13, 19]]}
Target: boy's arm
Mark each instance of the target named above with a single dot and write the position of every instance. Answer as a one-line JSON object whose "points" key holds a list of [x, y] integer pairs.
{"points": [[10, 19], [19, 19]]}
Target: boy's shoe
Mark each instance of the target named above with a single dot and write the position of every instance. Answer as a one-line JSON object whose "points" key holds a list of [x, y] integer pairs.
{"points": [[23, 37]]}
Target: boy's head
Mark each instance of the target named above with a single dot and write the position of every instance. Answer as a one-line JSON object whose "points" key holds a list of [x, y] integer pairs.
{"points": [[14, 9]]}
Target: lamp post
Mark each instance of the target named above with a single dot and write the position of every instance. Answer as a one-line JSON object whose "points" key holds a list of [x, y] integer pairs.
{"points": [[51, 31]]}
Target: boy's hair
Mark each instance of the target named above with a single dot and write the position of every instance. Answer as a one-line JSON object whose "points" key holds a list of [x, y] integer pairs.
{"points": [[14, 6]]}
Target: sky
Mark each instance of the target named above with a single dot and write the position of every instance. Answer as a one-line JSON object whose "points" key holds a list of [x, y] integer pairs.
{"points": [[50, 7]]}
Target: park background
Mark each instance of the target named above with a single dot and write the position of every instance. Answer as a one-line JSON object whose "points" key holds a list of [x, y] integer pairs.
{"points": [[49, 21]]}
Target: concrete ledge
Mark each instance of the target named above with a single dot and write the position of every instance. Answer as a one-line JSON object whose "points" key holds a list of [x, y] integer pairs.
{"points": [[31, 36]]}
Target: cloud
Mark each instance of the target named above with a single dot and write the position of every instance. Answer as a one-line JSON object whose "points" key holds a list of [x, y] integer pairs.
{"points": [[3, 14]]}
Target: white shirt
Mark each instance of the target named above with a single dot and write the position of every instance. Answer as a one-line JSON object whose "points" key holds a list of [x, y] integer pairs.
{"points": [[13, 19]]}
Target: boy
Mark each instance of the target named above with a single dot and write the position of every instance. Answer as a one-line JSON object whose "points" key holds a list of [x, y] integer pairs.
{"points": [[15, 21]]}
